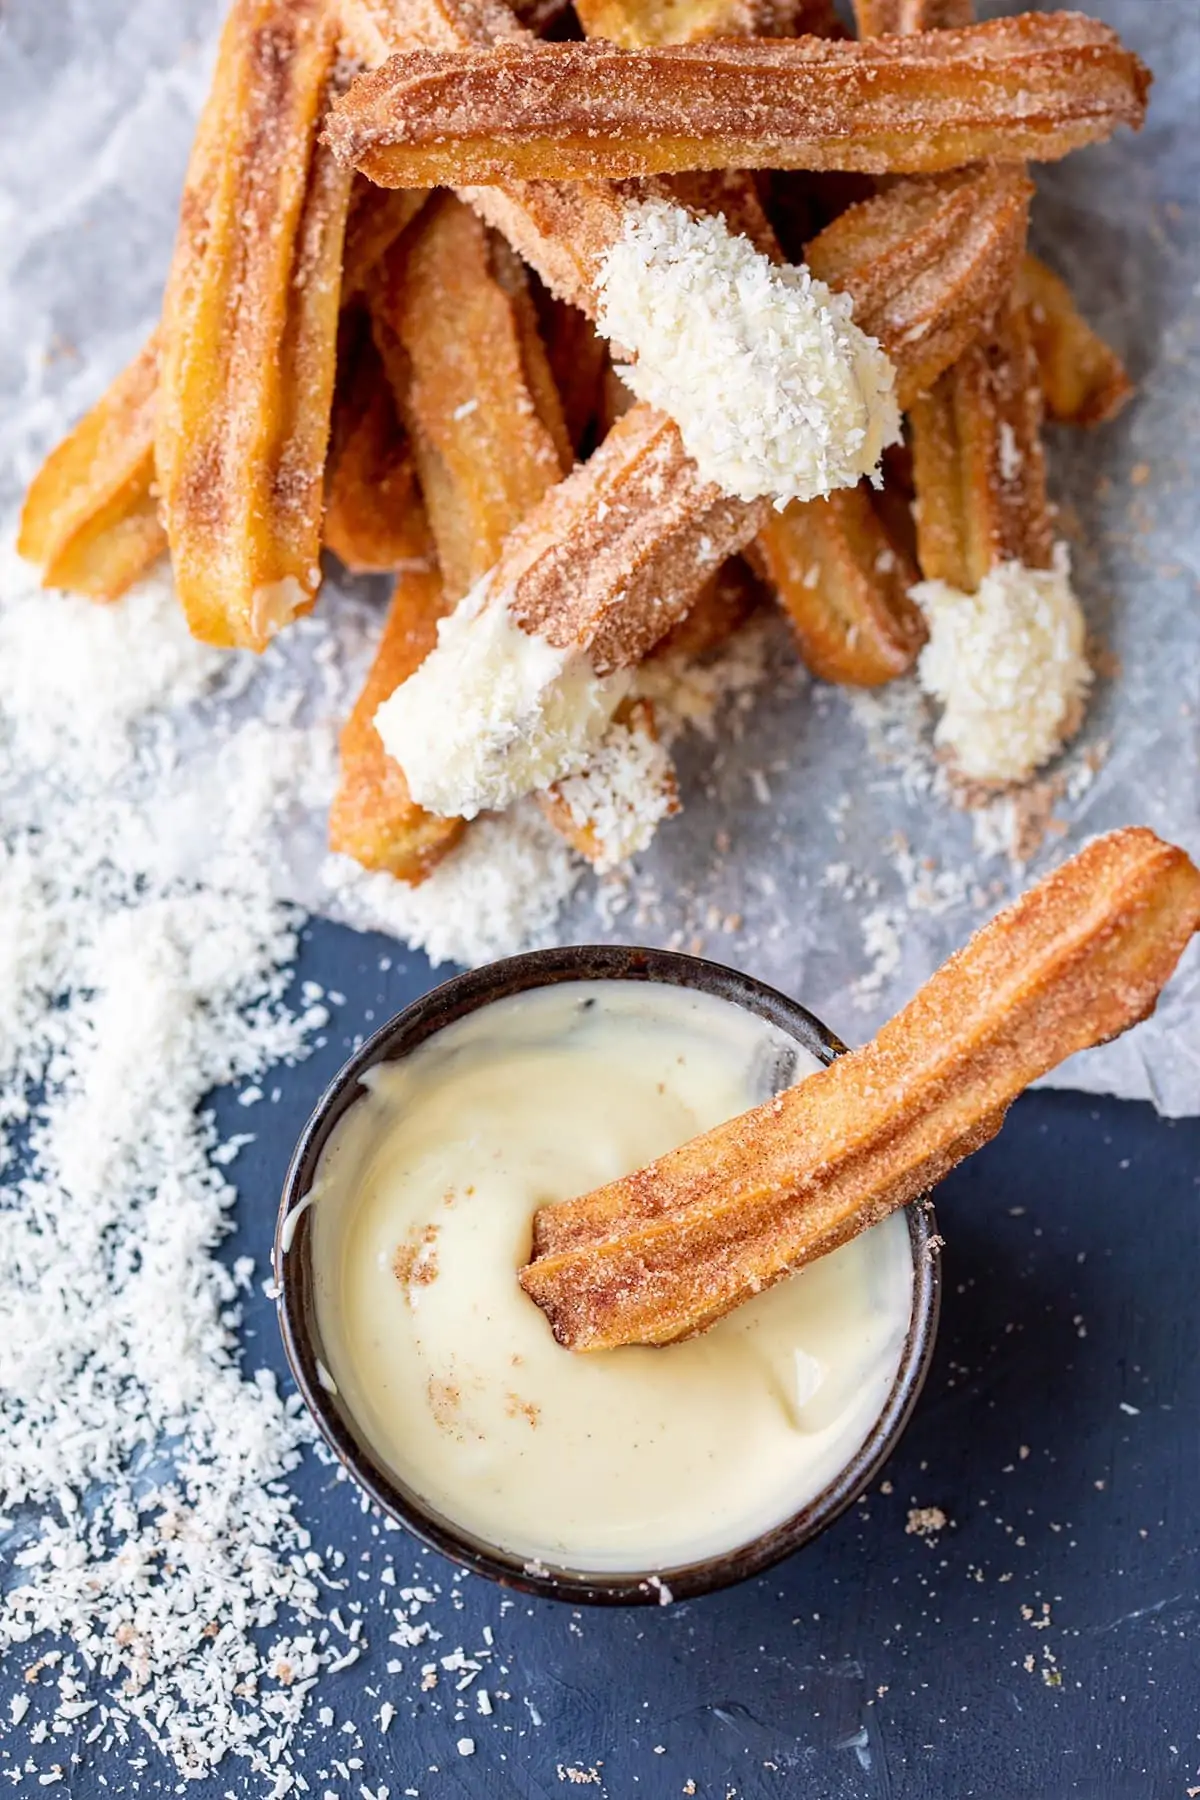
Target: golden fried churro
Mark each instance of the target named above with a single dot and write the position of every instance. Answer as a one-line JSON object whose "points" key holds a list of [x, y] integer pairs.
{"points": [[638, 23], [373, 518], [596, 574], [376, 218], [249, 330], [665, 1252], [90, 519], [928, 263], [901, 18], [616, 554], [719, 610], [373, 818], [479, 398], [453, 313], [844, 585], [579, 363], [1083, 380], [560, 228], [979, 465], [1032, 87]]}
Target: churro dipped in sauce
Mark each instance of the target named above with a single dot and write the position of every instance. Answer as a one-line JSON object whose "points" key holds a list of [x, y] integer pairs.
{"points": [[641, 1459]]}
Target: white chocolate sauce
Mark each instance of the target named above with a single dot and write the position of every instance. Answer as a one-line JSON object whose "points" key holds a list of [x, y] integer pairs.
{"points": [[628, 1460]]}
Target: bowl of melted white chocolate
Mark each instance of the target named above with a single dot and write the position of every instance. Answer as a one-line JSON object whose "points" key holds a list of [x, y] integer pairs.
{"points": [[641, 1473]]}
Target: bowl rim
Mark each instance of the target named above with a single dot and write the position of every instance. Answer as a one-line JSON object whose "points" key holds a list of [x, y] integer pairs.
{"points": [[295, 1299]]}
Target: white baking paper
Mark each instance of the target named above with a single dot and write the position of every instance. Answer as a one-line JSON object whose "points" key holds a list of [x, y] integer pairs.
{"points": [[815, 848]]}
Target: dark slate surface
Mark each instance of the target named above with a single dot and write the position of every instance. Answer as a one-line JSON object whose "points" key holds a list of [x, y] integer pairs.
{"points": [[1042, 1644]]}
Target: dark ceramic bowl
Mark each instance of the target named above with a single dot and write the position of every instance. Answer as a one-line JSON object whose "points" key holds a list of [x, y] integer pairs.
{"points": [[302, 1340]]}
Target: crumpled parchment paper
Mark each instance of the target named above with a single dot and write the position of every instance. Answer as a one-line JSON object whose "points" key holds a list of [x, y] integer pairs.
{"points": [[815, 848]]}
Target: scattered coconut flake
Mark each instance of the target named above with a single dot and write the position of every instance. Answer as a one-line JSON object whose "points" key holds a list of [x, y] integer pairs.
{"points": [[141, 1467]]}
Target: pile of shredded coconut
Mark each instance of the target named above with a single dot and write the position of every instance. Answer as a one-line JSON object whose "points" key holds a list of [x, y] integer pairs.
{"points": [[1008, 665], [141, 1509], [623, 795], [776, 392]]}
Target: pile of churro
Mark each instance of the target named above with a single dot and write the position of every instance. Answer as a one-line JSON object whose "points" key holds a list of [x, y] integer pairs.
{"points": [[597, 331]]}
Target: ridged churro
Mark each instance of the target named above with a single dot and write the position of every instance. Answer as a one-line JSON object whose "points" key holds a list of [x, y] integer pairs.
{"points": [[638, 23], [665, 1252], [928, 262], [479, 399], [373, 518], [1083, 380], [453, 315], [532, 667], [373, 818], [978, 462], [90, 518], [844, 585], [249, 330], [1027, 88]]}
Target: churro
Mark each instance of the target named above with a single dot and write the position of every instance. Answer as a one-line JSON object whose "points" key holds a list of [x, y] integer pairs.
{"points": [[249, 330], [373, 818], [530, 669], [1006, 656], [901, 18], [978, 462], [453, 314], [373, 519], [638, 23], [844, 585], [1083, 380], [90, 519], [479, 399], [928, 263], [665, 1252], [1027, 88]]}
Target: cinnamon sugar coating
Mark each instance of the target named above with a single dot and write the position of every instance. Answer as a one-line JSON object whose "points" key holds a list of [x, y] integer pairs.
{"points": [[1031, 87], [665, 1252]]}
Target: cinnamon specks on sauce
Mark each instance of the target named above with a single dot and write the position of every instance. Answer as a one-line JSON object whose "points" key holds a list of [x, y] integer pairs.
{"points": [[515, 1407], [416, 1264]]}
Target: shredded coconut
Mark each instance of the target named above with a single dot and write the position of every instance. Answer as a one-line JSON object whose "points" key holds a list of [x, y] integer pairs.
{"points": [[499, 891], [624, 794], [1008, 665], [494, 712], [775, 390], [139, 1469]]}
